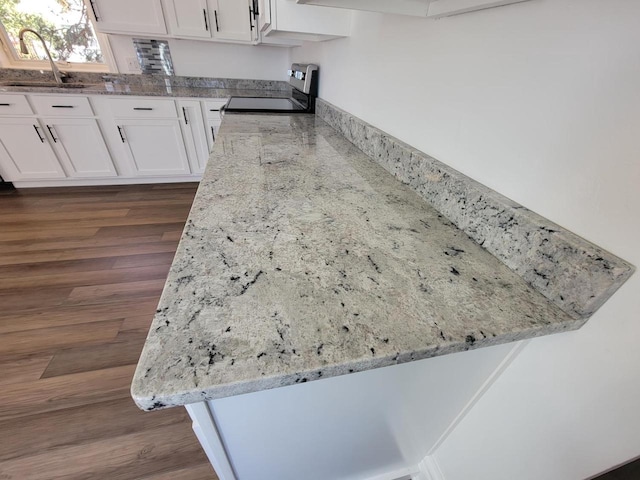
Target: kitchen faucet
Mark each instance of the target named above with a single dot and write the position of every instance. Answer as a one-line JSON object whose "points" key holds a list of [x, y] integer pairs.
{"points": [[57, 74]]}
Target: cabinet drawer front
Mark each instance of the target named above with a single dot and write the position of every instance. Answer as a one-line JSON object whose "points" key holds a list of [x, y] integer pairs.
{"points": [[143, 108], [62, 105], [14, 105], [213, 107]]}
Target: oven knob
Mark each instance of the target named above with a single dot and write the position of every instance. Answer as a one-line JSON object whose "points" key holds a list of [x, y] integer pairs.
{"points": [[290, 73], [300, 75]]}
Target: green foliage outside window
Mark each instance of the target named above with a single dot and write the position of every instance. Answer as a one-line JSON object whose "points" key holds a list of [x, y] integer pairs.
{"points": [[64, 24]]}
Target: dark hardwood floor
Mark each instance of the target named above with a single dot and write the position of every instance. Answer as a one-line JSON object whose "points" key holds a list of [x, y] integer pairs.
{"points": [[81, 272]]}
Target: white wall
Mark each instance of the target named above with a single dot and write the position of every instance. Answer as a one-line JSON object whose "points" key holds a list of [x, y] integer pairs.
{"points": [[353, 427], [540, 101], [212, 59]]}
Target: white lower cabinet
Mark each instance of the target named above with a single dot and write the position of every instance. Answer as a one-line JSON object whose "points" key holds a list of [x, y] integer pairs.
{"points": [[212, 111], [80, 146], [155, 147], [213, 125], [25, 153], [57, 140], [195, 134]]}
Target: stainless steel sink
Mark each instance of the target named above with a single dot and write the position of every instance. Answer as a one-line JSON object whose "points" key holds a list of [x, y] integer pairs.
{"points": [[45, 84]]}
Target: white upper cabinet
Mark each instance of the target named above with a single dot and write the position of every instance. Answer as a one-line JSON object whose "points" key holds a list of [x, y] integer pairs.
{"points": [[188, 18], [128, 16], [226, 20], [232, 20], [417, 8], [288, 19]]}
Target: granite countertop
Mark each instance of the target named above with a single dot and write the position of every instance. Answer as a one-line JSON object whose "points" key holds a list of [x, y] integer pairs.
{"points": [[149, 90], [303, 259]]}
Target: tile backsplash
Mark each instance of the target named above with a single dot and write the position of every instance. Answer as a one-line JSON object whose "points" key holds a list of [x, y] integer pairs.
{"points": [[154, 56]]}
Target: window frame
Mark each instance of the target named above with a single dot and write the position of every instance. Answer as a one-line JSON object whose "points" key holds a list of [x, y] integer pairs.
{"points": [[9, 57]]}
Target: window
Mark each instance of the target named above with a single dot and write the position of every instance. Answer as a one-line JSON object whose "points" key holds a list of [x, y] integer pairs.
{"points": [[65, 27]]}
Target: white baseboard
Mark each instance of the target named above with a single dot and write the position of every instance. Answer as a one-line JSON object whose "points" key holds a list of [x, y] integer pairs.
{"points": [[87, 182]]}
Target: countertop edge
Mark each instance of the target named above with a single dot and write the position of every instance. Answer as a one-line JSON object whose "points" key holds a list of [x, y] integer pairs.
{"points": [[149, 402]]}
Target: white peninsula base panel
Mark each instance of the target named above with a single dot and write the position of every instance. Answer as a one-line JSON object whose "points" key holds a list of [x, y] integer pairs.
{"points": [[380, 424]]}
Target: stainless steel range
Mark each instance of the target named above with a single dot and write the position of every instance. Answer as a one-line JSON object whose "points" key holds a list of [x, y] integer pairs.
{"points": [[304, 82]]}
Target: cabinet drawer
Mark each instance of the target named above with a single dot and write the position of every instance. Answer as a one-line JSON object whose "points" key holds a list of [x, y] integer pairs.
{"points": [[213, 107], [14, 105], [62, 106], [143, 108]]}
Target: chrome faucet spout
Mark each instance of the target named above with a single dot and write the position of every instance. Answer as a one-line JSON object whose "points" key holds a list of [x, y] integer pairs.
{"points": [[57, 74]]}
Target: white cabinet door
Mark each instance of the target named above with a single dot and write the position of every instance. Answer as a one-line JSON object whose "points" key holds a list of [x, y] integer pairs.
{"points": [[25, 153], [156, 147], [308, 22], [188, 18], [264, 17], [232, 20], [195, 133], [80, 146], [213, 125], [128, 16], [212, 111]]}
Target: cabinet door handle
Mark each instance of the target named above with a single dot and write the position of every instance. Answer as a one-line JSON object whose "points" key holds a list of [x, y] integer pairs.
{"points": [[142, 108], [121, 135], [206, 20], [215, 14], [55, 140], [250, 15], [93, 9], [5, 104], [61, 106], [213, 134], [35, 127], [184, 113]]}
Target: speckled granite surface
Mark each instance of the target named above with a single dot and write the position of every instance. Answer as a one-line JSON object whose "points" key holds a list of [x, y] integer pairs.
{"points": [[145, 85], [573, 273], [303, 259], [153, 91]]}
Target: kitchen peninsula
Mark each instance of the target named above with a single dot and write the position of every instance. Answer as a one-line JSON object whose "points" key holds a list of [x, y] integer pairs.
{"points": [[303, 260]]}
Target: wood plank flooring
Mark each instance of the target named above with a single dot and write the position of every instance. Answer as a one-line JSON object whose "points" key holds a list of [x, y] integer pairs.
{"points": [[81, 272]]}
